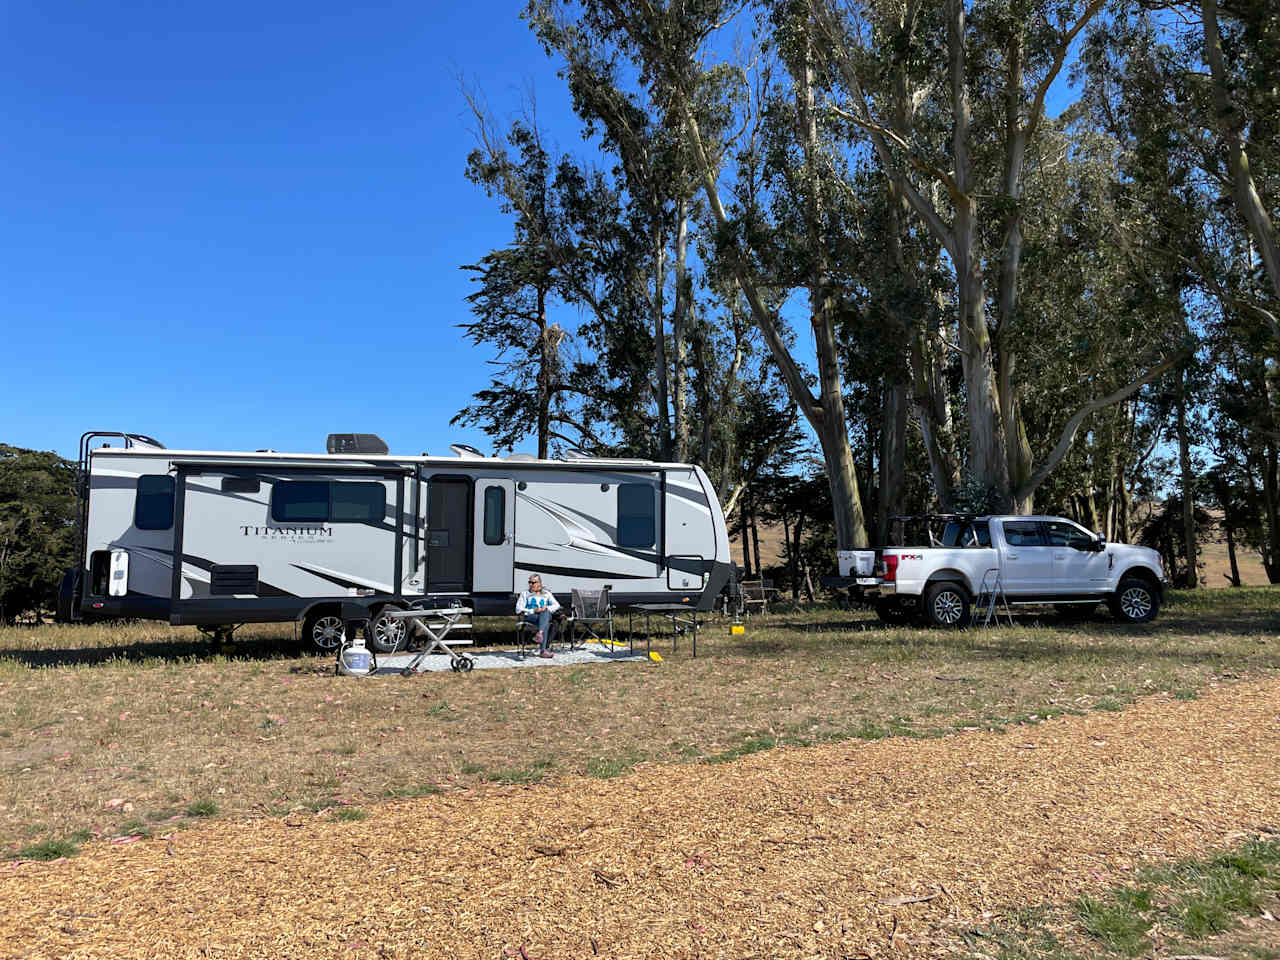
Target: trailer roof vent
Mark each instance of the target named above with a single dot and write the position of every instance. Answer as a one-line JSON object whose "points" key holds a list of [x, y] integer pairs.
{"points": [[522, 457], [466, 451], [367, 443]]}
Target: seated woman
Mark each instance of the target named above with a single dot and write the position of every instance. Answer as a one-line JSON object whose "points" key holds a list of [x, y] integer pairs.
{"points": [[537, 605]]}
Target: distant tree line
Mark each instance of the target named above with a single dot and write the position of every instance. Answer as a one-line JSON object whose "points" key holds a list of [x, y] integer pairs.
{"points": [[1009, 310], [37, 530]]}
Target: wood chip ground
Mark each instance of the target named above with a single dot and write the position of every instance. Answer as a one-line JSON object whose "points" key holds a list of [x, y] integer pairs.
{"points": [[853, 849]]}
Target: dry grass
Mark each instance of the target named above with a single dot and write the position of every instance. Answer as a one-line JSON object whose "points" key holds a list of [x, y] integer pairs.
{"points": [[895, 848], [123, 730]]}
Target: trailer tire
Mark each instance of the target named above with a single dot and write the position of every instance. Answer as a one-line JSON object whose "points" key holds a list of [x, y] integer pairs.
{"points": [[322, 629], [946, 604], [384, 634], [1135, 601]]}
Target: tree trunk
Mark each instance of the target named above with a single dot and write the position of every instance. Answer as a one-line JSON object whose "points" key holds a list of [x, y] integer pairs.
{"points": [[1231, 122], [988, 462], [545, 366], [755, 539], [1227, 525], [834, 431], [826, 416], [679, 330], [1271, 501], [1188, 492], [744, 519], [893, 458], [660, 339]]}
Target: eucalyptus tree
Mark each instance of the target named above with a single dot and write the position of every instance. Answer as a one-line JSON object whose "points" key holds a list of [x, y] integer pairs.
{"points": [[667, 44], [516, 285], [966, 183]]}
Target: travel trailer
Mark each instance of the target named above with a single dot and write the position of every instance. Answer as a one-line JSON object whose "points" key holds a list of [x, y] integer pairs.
{"points": [[265, 536]]}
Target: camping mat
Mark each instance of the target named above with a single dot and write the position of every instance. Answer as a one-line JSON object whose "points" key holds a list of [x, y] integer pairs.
{"points": [[788, 853]]}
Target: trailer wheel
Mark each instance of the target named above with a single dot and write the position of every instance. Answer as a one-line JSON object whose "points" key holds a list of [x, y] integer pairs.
{"points": [[946, 604], [386, 634], [323, 630]]}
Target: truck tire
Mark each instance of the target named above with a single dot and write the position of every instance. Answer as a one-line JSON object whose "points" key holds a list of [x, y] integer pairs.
{"points": [[322, 629], [946, 604], [384, 634], [892, 612], [1135, 601]]}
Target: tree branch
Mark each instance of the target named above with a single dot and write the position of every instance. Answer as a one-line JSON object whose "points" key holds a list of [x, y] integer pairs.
{"points": [[1073, 425]]}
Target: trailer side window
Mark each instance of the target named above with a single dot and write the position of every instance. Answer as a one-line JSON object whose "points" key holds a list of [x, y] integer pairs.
{"points": [[357, 502], [635, 515], [300, 501], [241, 484], [324, 501], [495, 515], [153, 507]]}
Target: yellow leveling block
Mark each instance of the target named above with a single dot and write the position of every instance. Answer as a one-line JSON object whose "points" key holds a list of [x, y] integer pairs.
{"points": [[654, 657], [737, 629]]}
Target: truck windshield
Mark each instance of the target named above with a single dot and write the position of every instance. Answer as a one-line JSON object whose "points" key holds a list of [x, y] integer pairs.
{"points": [[966, 534]]}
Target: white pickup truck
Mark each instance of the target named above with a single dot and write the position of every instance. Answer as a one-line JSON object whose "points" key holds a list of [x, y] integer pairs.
{"points": [[1039, 560]]}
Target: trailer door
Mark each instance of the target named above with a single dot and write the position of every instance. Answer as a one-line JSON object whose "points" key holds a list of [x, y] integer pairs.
{"points": [[495, 540]]}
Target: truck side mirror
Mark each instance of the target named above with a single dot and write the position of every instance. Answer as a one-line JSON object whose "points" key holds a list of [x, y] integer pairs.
{"points": [[1100, 543]]}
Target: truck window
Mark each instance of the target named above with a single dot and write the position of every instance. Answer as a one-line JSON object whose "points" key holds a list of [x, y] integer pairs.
{"points": [[1023, 533], [1067, 535], [966, 534]]}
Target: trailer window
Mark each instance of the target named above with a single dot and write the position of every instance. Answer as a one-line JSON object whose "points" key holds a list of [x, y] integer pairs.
{"points": [[300, 501], [153, 507], [324, 501], [241, 484], [635, 515], [495, 516], [357, 502]]}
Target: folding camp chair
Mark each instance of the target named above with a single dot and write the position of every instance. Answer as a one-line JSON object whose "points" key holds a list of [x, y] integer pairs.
{"points": [[591, 608], [526, 632]]}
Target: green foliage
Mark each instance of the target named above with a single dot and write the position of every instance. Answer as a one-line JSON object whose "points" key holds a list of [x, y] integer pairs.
{"points": [[37, 529], [48, 850], [203, 808]]}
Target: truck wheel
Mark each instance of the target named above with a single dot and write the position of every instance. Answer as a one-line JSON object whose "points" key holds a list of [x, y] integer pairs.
{"points": [[1135, 601], [946, 604], [385, 634], [323, 630], [892, 612]]}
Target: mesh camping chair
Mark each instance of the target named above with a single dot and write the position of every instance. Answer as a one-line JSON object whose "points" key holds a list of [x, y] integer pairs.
{"points": [[591, 608]]}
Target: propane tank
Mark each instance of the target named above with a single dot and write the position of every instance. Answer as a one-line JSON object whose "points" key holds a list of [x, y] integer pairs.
{"points": [[354, 658]]}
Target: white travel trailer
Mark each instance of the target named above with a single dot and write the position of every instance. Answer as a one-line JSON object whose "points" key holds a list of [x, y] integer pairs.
{"points": [[267, 536]]}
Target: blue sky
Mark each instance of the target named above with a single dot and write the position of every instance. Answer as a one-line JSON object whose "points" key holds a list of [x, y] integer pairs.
{"points": [[240, 225]]}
